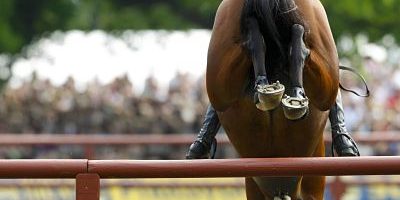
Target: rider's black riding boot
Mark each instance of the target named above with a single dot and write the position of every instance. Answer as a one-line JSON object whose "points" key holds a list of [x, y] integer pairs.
{"points": [[342, 142], [200, 148]]}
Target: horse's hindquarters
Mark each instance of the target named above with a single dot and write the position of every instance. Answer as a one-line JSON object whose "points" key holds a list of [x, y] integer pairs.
{"points": [[278, 186], [269, 134]]}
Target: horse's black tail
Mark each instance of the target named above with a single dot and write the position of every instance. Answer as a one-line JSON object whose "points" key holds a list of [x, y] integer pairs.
{"points": [[275, 18]]}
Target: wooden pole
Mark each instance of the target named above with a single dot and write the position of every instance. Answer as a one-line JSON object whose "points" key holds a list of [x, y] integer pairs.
{"points": [[87, 187]]}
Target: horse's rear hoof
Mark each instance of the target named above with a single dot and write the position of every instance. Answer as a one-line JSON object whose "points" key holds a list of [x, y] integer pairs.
{"points": [[284, 197], [295, 108], [269, 96]]}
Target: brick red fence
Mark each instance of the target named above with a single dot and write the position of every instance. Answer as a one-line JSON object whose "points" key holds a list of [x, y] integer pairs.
{"points": [[89, 172], [90, 141]]}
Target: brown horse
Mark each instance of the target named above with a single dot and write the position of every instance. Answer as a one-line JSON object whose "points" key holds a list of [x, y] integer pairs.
{"points": [[257, 133]]}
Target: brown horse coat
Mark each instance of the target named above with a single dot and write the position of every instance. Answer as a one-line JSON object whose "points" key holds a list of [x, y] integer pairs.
{"points": [[269, 134]]}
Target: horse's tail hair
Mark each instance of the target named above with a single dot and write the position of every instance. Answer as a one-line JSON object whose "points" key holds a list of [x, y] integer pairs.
{"points": [[263, 11], [274, 25]]}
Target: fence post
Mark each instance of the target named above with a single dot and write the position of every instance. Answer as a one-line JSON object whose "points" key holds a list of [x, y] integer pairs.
{"points": [[88, 186], [338, 188], [89, 151]]}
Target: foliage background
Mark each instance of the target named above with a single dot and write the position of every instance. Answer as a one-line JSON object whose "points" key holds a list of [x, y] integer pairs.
{"points": [[23, 21]]}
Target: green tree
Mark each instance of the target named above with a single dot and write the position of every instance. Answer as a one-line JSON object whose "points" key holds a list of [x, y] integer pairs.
{"points": [[21, 21], [372, 17]]}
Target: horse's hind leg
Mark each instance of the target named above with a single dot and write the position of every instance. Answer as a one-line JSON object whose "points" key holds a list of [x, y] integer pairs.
{"points": [[267, 96], [296, 104], [312, 187], [255, 44], [252, 190]]}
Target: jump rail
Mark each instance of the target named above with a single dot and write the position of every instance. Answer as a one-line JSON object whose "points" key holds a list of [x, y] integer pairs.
{"points": [[245, 167], [89, 172], [151, 139], [89, 141]]}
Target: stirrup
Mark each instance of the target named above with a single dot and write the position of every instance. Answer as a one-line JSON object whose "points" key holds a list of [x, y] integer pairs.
{"points": [[269, 96]]}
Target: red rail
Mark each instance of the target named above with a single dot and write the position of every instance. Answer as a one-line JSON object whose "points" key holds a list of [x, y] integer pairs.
{"points": [[89, 141], [71, 168], [42, 168], [245, 167], [88, 172], [152, 139]]}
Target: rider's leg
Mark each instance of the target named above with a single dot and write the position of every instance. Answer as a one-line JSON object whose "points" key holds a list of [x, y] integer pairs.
{"points": [[342, 142], [200, 148]]}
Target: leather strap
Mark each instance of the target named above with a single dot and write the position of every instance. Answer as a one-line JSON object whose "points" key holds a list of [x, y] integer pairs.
{"points": [[367, 93]]}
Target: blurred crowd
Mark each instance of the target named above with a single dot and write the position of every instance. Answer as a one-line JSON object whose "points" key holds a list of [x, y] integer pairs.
{"points": [[38, 106], [380, 111]]}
